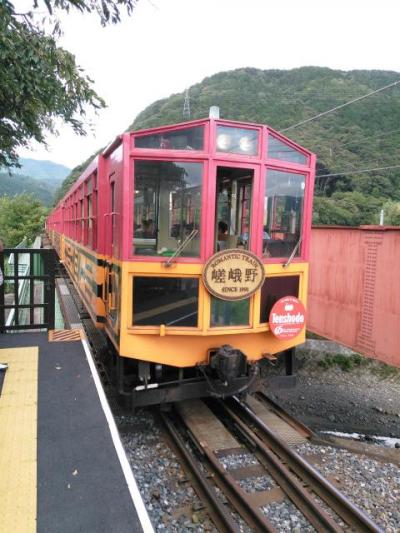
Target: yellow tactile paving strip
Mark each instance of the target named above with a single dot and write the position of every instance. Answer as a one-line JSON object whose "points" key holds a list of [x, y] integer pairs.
{"points": [[61, 335], [18, 440]]}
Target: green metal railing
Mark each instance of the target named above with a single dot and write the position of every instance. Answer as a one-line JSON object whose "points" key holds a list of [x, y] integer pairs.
{"points": [[27, 296]]}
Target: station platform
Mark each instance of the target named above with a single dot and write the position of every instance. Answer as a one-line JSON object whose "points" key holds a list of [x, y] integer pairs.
{"points": [[62, 465]]}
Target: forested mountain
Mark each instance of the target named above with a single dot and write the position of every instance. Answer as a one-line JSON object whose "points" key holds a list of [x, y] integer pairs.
{"points": [[37, 177], [12, 185], [361, 136], [42, 170]]}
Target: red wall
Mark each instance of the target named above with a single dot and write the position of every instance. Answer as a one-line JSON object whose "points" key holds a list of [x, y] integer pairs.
{"points": [[354, 288]]}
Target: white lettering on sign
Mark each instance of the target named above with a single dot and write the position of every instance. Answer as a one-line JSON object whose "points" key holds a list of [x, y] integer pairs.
{"points": [[287, 319]]}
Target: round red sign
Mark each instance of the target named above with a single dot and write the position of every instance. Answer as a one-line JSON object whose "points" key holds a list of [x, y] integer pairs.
{"points": [[287, 318]]}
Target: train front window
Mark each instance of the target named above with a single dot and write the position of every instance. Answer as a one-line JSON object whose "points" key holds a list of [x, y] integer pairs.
{"points": [[181, 139], [167, 203], [274, 288], [283, 213], [233, 208], [226, 313], [168, 301]]}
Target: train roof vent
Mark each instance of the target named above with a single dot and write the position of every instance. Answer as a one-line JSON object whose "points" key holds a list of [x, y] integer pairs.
{"points": [[214, 111]]}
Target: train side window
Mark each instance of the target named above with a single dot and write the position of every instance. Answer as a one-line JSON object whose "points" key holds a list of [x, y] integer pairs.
{"points": [[87, 233], [167, 206], [112, 209], [94, 214], [168, 301], [75, 216], [275, 288], [89, 211], [71, 220], [277, 149], [81, 221], [283, 213]]}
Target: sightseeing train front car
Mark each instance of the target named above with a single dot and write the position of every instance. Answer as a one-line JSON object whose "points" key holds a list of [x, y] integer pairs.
{"points": [[189, 246]]}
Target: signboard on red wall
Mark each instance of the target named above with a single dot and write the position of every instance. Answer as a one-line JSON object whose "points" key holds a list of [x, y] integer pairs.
{"points": [[287, 318]]}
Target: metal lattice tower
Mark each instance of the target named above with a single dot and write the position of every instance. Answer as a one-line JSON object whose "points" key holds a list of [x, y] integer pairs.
{"points": [[186, 106]]}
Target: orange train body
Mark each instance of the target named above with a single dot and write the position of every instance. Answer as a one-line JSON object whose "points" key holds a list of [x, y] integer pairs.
{"points": [[137, 228]]}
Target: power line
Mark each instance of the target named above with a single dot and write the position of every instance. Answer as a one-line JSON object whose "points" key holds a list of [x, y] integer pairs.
{"points": [[357, 162], [351, 171], [386, 144], [341, 106]]}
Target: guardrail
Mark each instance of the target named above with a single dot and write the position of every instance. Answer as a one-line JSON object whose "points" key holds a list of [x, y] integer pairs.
{"points": [[27, 296], [23, 270]]}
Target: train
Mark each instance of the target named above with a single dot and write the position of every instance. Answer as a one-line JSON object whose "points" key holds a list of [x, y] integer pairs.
{"points": [[189, 246]]}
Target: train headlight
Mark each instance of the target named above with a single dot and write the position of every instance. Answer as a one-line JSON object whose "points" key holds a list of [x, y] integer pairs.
{"points": [[246, 144], [224, 142], [237, 140]]}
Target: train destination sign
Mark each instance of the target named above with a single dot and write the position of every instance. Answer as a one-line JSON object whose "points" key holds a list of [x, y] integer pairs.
{"points": [[233, 274], [287, 318]]}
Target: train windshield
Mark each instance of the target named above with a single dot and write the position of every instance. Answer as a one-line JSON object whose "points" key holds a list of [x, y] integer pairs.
{"points": [[283, 213], [167, 202], [233, 208]]}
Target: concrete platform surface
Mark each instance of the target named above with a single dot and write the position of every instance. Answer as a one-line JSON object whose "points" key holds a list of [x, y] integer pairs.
{"points": [[77, 483]]}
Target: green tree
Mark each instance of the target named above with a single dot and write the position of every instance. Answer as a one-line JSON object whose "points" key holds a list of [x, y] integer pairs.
{"points": [[108, 10], [347, 209], [40, 81], [392, 213], [20, 216], [327, 212]]}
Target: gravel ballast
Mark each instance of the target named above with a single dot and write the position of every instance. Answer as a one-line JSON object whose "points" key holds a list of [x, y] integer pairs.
{"points": [[365, 399], [371, 485]]}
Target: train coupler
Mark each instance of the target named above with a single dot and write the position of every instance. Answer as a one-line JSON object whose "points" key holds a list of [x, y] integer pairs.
{"points": [[229, 363], [229, 372]]}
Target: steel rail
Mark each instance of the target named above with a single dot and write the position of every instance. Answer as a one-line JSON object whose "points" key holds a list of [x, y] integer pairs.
{"points": [[242, 503], [239, 499], [343, 507], [287, 481], [218, 512]]}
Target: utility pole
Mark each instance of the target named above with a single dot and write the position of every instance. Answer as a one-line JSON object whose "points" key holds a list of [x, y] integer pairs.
{"points": [[186, 106]]}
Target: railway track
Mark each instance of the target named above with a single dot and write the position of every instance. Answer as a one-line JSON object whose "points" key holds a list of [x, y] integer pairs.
{"points": [[218, 429], [204, 434]]}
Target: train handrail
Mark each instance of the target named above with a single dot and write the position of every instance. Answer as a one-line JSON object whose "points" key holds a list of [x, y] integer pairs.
{"points": [[293, 253], [177, 252]]}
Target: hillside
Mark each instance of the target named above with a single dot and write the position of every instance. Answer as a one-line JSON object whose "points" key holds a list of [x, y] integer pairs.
{"points": [[12, 185], [42, 170], [363, 135], [37, 177]]}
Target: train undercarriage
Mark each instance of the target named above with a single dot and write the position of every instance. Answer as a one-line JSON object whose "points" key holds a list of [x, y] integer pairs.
{"points": [[140, 383]]}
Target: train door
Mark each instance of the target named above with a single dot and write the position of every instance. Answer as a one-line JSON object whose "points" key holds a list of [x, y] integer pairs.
{"points": [[111, 249], [233, 208], [110, 216], [234, 227]]}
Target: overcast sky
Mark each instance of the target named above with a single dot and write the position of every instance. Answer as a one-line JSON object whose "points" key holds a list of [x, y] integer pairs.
{"points": [[168, 45]]}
